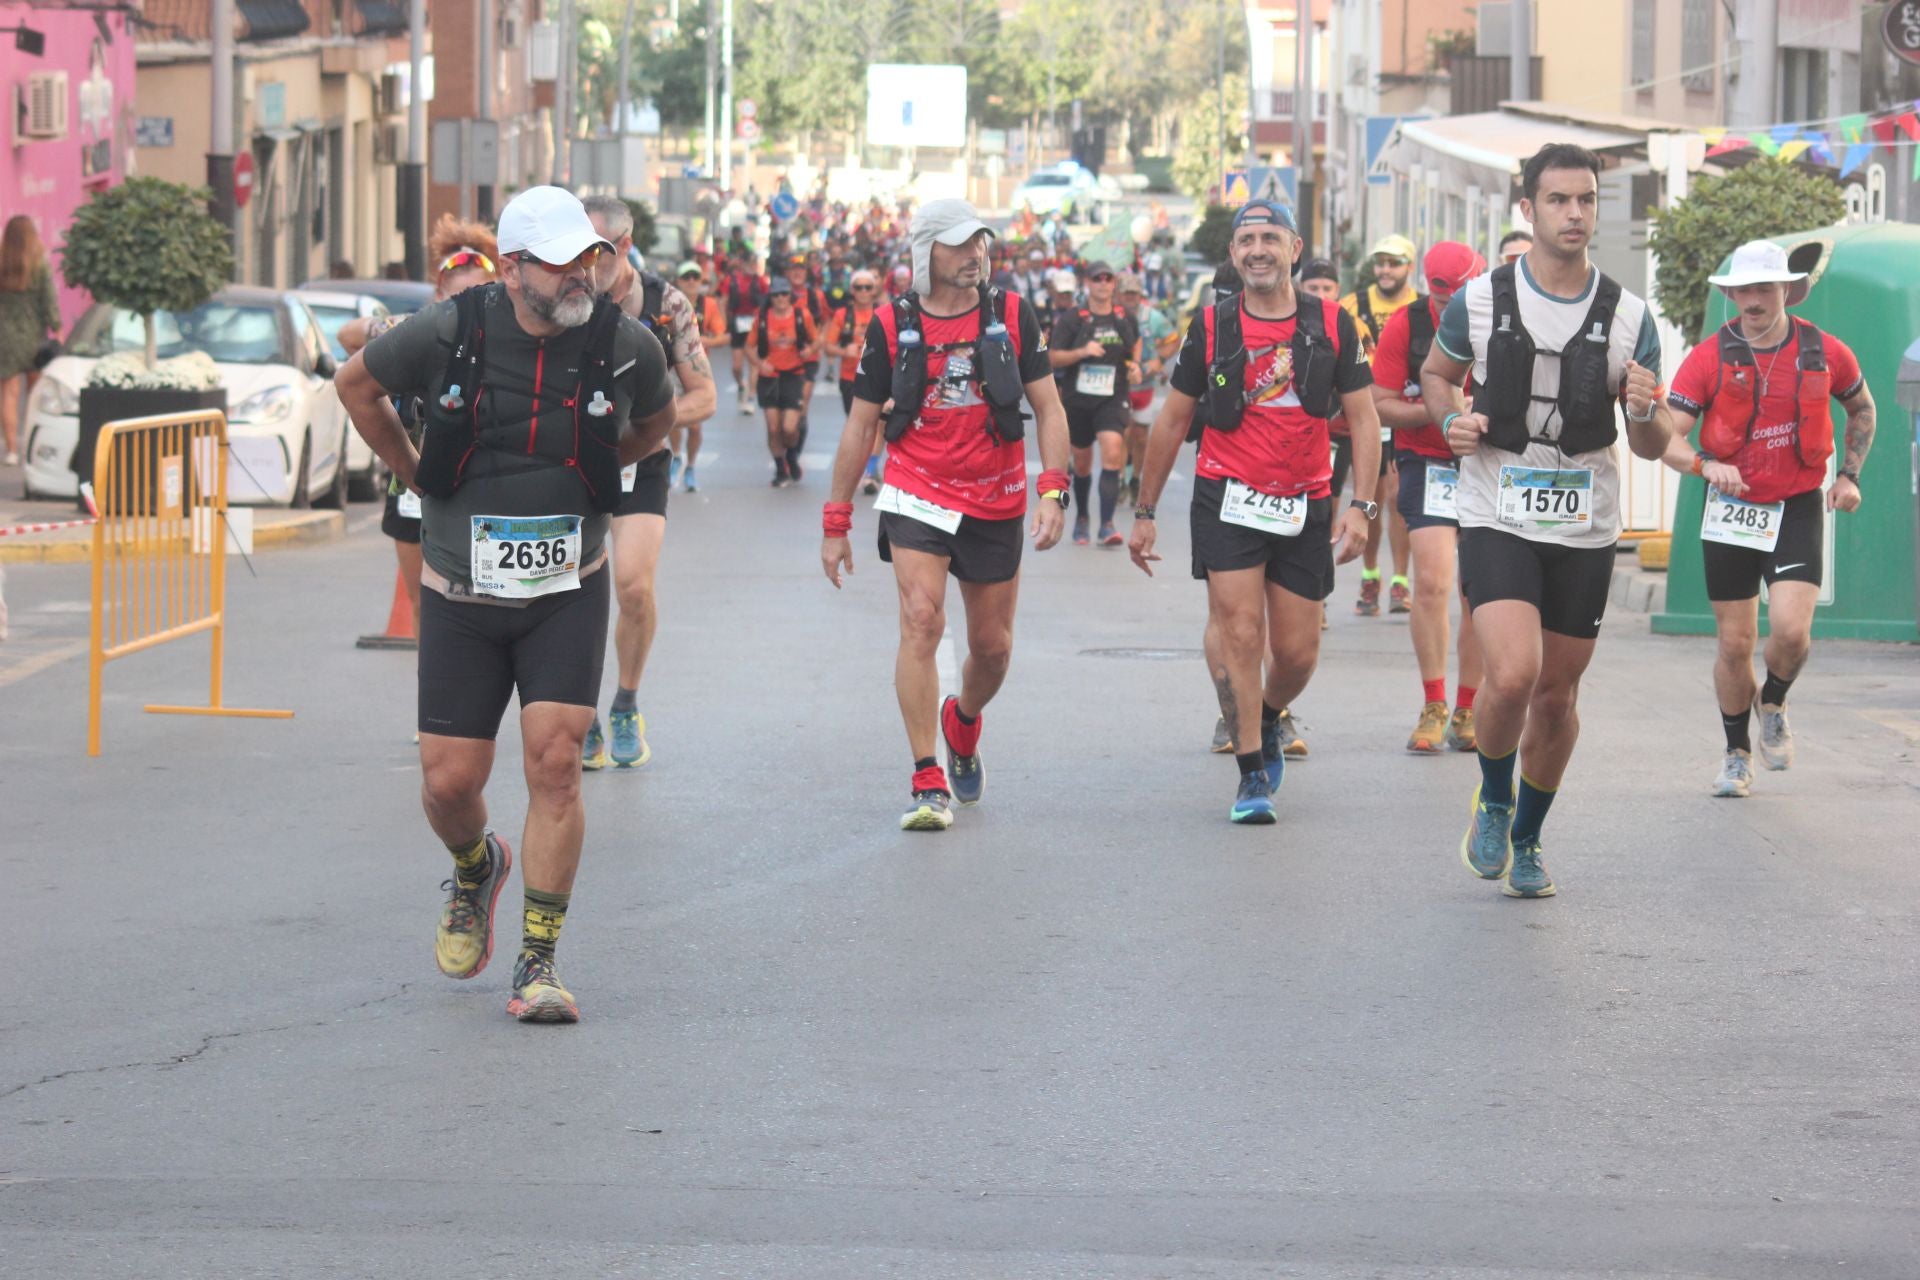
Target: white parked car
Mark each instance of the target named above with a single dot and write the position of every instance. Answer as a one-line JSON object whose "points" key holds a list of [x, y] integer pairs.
{"points": [[366, 477], [1067, 190], [273, 359]]}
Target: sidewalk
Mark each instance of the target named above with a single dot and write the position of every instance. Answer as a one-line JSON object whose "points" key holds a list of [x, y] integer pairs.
{"points": [[272, 527]]}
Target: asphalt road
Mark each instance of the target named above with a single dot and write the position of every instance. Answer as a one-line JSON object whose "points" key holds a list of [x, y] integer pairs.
{"points": [[1092, 1031]]}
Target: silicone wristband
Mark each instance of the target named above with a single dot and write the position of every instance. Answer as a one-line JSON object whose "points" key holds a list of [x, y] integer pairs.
{"points": [[1448, 420]]}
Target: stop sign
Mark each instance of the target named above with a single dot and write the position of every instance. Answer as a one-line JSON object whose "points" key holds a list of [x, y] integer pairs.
{"points": [[243, 178]]}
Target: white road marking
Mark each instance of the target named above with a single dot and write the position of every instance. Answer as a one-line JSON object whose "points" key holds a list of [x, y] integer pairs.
{"points": [[35, 665]]}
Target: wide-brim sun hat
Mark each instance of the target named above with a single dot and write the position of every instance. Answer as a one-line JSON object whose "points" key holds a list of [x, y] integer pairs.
{"points": [[1762, 262]]}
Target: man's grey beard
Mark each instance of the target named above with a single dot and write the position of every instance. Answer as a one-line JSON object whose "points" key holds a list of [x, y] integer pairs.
{"points": [[569, 313]]}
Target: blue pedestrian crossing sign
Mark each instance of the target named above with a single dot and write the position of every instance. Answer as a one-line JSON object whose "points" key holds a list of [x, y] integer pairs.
{"points": [[1279, 185], [1236, 191]]}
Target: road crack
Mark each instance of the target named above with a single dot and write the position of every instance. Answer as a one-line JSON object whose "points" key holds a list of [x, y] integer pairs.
{"points": [[206, 1042]]}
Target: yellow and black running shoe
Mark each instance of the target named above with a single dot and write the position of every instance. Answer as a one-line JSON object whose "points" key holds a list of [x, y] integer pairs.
{"points": [[464, 942], [537, 993]]}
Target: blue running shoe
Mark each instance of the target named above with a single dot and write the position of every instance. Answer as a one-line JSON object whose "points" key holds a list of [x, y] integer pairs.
{"points": [[1528, 877], [1486, 848], [965, 772], [630, 749], [593, 753], [1273, 751], [1253, 804], [673, 471], [692, 485]]}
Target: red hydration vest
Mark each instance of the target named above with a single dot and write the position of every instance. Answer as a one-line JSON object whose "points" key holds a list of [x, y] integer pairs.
{"points": [[1726, 427]]}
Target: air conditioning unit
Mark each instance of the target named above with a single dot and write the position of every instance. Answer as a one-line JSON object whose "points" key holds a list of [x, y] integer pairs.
{"points": [[390, 96], [43, 105], [389, 144]]}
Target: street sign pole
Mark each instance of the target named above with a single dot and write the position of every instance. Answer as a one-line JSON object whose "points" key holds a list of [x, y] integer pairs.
{"points": [[413, 195], [220, 135], [726, 97]]}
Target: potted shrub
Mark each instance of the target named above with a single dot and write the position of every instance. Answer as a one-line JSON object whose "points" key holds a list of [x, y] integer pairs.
{"points": [[146, 246]]}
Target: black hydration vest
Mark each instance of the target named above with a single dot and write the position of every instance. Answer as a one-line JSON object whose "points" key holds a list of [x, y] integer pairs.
{"points": [[653, 310], [803, 327], [1129, 336], [1419, 336], [454, 430], [996, 365], [1314, 358], [1584, 404]]}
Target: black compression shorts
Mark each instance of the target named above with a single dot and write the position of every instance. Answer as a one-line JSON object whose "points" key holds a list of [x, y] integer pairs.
{"points": [[1410, 500], [474, 656], [782, 392], [1734, 573], [1086, 422], [1568, 585], [396, 526]]}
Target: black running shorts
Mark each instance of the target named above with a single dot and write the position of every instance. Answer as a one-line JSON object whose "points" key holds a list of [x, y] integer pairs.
{"points": [[1410, 500], [846, 395], [1734, 573], [978, 551], [1302, 564], [1086, 422], [782, 392], [474, 656], [396, 526], [648, 497], [1568, 585]]}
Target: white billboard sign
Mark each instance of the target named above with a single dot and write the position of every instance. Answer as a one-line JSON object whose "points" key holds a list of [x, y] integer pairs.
{"points": [[916, 106]]}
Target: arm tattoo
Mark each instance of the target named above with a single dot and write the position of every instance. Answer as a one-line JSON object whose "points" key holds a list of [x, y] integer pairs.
{"points": [[1859, 435]]}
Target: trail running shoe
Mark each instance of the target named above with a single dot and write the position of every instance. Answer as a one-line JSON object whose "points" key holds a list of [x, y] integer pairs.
{"points": [[1736, 776], [1460, 734], [1485, 848], [1110, 536], [593, 752], [1368, 605], [464, 942], [1222, 740], [1291, 743], [1273, 755], [931, 809], [1080, 531], [746, 401], [692, 485], [1398, 599], [1776, 736], [780, 480], [630, 749], [1253, 802], [537, 993], [969, 778], [793, 467], [1528, 876], [1429, 735]]}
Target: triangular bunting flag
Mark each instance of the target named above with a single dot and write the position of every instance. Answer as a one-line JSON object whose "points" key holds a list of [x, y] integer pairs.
{"points": [[1822, 150], [1733, 142], [1916, 164], [1784, 133], [1713, 136], [1857, 154], [1791, 151], [1883, 132], [1852, 128], [1909, 123], [1766, 146]]}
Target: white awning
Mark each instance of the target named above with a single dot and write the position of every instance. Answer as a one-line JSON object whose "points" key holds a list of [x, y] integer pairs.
{"points": [[1488, 148]]}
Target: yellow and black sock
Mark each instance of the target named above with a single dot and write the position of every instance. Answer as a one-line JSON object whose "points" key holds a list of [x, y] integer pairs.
{"points": [[542, 918], [1530, 810], [470, 862]]}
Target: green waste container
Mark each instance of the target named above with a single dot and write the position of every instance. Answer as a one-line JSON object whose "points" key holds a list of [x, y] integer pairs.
{"points": [[1909, 420], [1864, 294]]}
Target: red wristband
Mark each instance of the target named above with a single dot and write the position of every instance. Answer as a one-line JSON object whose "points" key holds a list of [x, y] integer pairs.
{"points": [[1051, 480], [836, 519]]}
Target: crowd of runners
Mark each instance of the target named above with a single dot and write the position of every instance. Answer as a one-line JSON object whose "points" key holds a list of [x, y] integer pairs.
{"points": [[535, 425]]}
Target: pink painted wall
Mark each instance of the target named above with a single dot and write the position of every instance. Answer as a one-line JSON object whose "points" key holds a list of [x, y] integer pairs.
{"points": [[48, 178]]}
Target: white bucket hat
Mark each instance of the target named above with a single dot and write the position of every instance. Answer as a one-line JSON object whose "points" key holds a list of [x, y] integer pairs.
{"points": [[1763, 262]]}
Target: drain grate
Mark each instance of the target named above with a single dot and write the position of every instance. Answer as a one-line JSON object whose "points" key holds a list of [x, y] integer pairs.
{"points": [[1145, 655]]}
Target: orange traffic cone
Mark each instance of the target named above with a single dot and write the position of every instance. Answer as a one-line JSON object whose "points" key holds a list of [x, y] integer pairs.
{"points": [[399, 633]]}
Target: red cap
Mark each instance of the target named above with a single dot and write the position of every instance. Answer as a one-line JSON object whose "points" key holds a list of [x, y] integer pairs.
{"points": [[1450, 264]]}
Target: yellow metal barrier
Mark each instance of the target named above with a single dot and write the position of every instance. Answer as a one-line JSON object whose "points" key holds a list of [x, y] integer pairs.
{"points": [[160, 547]]}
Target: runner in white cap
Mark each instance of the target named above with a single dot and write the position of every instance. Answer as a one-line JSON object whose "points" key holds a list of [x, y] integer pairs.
{"points": [[1762, 390]]}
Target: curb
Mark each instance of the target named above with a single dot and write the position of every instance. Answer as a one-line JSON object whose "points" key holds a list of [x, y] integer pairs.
{"points": [[297, 530], [1637, 591]]}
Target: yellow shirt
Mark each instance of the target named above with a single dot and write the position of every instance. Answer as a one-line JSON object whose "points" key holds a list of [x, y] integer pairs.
{"points": [[1383, 310]]}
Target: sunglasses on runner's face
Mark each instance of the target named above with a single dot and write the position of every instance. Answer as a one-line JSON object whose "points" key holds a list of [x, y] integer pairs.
{"points": [[466, 258], [1388, 260], [1102, 278], [864, 288], [589, 259]]}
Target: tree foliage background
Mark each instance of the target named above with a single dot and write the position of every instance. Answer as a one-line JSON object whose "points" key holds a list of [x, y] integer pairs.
{"points": [[1765, 198], [1147, 69]]}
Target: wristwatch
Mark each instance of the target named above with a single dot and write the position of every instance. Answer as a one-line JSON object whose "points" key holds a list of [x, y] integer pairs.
{"points": [[1370, 509], [1849, 474], [1060, 496]]}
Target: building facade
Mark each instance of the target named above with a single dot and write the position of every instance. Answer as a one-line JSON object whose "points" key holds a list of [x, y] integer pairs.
{"points": [[69, 74]]}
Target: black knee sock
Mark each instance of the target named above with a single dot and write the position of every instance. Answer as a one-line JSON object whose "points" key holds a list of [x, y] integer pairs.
{"points": [[1774, 692], [1269, 714], [1082, 486], [1250, 762], [1735, 727], [1109, 494]]}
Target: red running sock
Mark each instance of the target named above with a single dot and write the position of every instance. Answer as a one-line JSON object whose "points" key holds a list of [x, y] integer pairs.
{"points": [[1436, 689], [1465, 701], [964, 738]]}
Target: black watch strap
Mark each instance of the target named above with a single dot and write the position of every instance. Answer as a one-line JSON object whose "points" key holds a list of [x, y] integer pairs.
{"points": [[1371, 510]]}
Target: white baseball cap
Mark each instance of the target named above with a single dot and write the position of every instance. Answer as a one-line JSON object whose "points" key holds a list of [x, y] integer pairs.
{"points": [[550, 223], [1762, 262]]}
